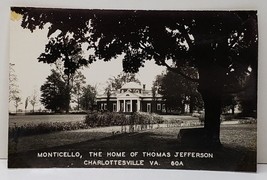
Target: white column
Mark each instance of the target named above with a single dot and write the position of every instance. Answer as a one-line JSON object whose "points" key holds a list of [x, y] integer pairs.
{"points": [[124, 105], [131, 108], [138, 105], [118, 105]]}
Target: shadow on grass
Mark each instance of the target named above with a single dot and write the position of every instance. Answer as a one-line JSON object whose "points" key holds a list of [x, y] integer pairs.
{"points": [[226, 158]]}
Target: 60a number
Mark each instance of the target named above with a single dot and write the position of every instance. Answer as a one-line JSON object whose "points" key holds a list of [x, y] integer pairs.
{"points": [[177, 163]]}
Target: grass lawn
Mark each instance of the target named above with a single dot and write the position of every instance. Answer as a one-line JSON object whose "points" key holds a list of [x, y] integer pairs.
{"points": [[42, 141]]}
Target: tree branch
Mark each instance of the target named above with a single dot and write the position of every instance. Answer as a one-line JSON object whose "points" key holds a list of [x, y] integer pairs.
{"points": [[236, 91], [186, 36], [175, 70]]}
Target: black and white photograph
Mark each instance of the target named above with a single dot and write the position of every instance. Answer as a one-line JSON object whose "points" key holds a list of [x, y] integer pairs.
{"points": [[150, 89]]}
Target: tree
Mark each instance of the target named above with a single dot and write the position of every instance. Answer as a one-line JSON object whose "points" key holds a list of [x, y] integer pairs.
{"points": [[17, 102], [78, 82], [13, 86], [26, 103], [34, 99], [221, 45], [248, 99], [69, 52], [116, 82], [178, 91], [108, 93], [88, 97], [74, 84], [156, 89], [54, 93], [229, 102]]}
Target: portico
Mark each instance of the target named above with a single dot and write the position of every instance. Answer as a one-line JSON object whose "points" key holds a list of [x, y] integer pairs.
{"points": [[128, 104], [131, 98]]}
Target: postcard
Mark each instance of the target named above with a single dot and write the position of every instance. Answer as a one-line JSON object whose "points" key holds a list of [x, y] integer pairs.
{"points": [[94, 88]]}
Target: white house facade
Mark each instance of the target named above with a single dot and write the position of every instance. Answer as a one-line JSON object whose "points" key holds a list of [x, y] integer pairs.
{"points": [[132, 97]]}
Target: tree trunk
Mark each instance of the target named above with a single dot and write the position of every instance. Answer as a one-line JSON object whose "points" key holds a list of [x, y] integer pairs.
{"points": [[68, 95], [233, 109], [78, 103], [183, 108], [211, 81], [212, 104], [78, 99], [68, 102]]}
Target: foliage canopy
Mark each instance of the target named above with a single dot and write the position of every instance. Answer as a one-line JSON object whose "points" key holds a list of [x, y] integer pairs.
{"points": [[221, 45]]}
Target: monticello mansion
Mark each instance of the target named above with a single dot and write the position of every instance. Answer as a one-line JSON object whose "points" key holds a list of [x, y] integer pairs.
{"points": [[132, 97]]}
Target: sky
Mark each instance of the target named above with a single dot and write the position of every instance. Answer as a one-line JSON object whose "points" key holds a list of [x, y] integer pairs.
{"points": [[25, 48]]}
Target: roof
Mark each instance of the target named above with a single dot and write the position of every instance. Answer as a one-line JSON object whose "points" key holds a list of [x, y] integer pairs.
{"points": [[131, 85]]}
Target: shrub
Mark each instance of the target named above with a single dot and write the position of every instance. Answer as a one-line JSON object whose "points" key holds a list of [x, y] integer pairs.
{"points": [[227, 117], [247, 120], [145, 118], [94, 119], [202, 118], [174, 121], [100, 119]]}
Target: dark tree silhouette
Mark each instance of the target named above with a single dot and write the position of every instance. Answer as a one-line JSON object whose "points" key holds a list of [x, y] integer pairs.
{"points": [[67, 50], [54, 93], [229, 102], [178, 91], [221, 45], [88, 97], [26, 104]]}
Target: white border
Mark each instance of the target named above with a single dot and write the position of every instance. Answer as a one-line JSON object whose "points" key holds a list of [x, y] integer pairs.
{"points": [[259, 5]]}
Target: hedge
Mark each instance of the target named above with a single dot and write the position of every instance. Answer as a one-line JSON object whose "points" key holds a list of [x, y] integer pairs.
{"points": [[97, 119], [46, 127]]}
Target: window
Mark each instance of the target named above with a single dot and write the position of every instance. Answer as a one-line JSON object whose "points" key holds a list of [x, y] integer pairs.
{"points": [[163, 107], [158, 106], [148, 107], [105, 106]]}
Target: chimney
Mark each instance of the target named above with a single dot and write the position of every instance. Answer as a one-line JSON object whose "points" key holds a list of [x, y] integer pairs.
{"points": [[144, 87]]}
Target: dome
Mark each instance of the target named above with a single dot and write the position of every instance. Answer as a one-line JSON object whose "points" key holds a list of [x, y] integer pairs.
{"points": [[131, 85]]}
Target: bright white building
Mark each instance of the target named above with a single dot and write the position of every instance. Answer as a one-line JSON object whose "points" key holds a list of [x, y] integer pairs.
{"points": [[132, 97]]}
